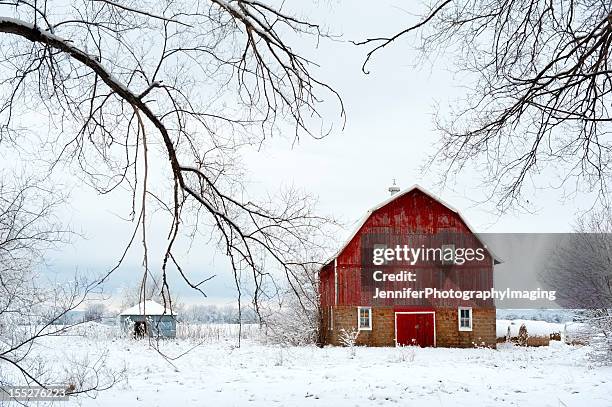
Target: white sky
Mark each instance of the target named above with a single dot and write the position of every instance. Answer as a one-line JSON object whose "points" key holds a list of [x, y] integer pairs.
{"points": [[388, 135]]}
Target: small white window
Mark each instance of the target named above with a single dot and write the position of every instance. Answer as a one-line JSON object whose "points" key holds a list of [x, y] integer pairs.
{"points": [[448, 254], [364, 318], [465, 318]]}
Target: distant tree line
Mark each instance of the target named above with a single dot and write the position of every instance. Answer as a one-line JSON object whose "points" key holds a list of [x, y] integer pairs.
{"points": [[198, 313], [213, 314]]}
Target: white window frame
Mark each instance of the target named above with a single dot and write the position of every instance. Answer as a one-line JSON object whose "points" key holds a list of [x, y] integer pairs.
{"points": [[448, 262], [330, 325], [359, 327], [471, 319]]}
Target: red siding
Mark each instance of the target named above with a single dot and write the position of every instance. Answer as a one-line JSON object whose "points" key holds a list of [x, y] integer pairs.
{"points": [[326, 285], [413, 212]]}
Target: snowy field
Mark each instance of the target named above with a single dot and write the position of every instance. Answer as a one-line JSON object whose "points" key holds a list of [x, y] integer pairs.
{"points": [[537, 328], [216, 373]]}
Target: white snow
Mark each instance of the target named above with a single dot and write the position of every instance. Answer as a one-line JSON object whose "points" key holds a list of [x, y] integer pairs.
{"points": [[534, 328], [216, 373], [149, 307], [567, 330]]}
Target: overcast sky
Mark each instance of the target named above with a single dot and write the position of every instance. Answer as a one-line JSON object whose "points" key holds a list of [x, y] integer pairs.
{"points": [[388, 135]]}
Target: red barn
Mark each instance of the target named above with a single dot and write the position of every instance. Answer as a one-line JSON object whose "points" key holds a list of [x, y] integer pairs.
{"points": [[377, 283]]}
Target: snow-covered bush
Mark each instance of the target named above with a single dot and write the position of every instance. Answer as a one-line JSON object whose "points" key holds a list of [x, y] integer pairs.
{"points": [[216, 332], [480, 345], [404, 354], [86, 373], [296, 318], [289, 324], [599, 322], [214, 314], [348, 338], [96, 330], [279, 359], [94, 311]]}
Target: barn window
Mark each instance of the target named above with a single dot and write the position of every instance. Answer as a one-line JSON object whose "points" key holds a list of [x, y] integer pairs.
{"points": [[364, 318], [382, 248], [465, 319], [446, 258]]}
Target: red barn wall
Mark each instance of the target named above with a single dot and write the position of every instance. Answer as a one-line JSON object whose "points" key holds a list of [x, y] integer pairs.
{"points": [[326, 285], [413, 212]]}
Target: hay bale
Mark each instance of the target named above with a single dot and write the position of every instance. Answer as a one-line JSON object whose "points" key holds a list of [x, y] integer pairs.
{"points": [[538, 341]]}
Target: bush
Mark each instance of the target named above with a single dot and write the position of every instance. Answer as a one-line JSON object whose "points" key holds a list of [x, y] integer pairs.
{"points": [[296, 319], [291, 325], [599, 322], [94, 312], [215, 332], [523, 336], [349, 339]]}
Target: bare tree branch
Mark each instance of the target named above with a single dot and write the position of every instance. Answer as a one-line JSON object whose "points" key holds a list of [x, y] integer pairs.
{"points": [[122, 84], [539, 96]]}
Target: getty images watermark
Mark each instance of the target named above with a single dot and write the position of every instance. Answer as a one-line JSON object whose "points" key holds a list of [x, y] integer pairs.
{"points": [[412, 255], [34, 393], [446, 254], [466, 295]]}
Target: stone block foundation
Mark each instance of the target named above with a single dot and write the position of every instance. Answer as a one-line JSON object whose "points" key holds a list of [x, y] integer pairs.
{"points": [[383, 327]]}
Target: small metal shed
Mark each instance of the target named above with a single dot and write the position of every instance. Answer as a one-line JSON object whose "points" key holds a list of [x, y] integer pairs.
{"points": [[148, 318]]}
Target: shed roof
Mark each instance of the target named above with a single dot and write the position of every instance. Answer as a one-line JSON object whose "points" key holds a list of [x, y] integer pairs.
{"points": [[147, 307], [362, 221]]}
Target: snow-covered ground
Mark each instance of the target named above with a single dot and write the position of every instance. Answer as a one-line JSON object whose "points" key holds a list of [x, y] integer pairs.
{"points": [[568, 331], [537, 328], [548, 315], [218, 374]]}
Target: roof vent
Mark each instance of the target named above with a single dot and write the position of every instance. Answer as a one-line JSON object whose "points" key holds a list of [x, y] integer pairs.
{"points": [[394, 189]]}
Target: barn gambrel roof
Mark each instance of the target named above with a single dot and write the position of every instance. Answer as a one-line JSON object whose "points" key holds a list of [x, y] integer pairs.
{"points": [[392, 198]]}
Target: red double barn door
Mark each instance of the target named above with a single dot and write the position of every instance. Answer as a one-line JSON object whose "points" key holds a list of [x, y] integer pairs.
{"points": [[415, 328]]}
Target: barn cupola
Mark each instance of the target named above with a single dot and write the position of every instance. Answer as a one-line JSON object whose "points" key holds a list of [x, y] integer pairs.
{"points": [[394, 189]]}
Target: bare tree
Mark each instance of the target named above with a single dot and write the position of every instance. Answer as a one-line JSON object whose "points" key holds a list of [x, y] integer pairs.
{"points": [[132, 295], [296, 319], [540, 97], [94, 311], [580, 270], [31, 308], [214, 314], [160, 97], [580, 267]]}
